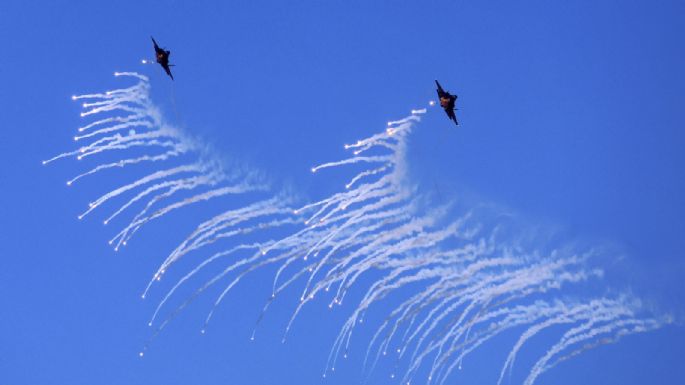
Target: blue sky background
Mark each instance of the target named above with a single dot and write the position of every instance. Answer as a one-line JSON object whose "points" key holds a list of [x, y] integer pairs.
{"points": [[571, 116]]}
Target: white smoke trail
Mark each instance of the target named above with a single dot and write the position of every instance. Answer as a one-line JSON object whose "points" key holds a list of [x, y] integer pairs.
{"points": [[127, 120], [471, 283], [376, 225], [337, 223]]}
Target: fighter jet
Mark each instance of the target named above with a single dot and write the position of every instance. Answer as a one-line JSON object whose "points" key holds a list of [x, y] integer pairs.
{"points": [[447, 101], [162, 56]]}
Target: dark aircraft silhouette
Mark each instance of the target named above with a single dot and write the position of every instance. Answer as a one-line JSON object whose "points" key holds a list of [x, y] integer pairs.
{"points": [[447, 101], [162, 57]]}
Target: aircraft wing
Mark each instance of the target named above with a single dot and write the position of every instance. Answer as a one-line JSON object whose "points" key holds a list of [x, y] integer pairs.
{"points": [[441, 92], [168, 71], [452, 116]]}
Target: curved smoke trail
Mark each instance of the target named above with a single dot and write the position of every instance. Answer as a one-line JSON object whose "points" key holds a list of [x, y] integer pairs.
{"points": [[471, 281], [128, 122]]}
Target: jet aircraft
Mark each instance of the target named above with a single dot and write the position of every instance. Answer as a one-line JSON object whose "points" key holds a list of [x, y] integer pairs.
{"points": [[162, 57], [447, 102]]}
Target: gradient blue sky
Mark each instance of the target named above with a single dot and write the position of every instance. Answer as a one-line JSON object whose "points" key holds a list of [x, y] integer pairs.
{"points": [[571, 116]]}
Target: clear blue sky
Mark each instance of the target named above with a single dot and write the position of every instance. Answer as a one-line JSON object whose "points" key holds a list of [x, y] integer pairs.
{"points": [[571, 116]]}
